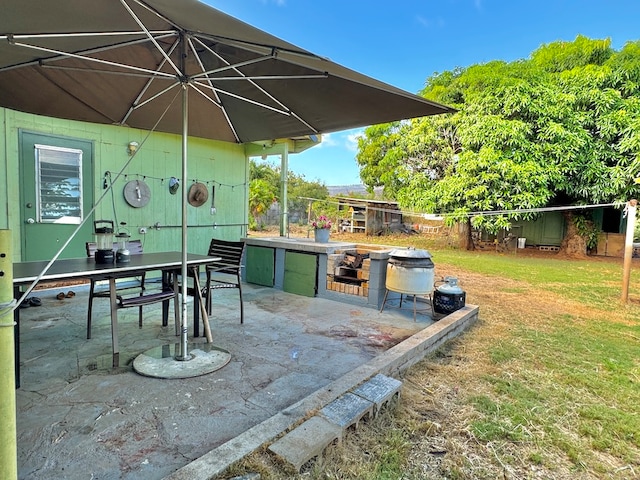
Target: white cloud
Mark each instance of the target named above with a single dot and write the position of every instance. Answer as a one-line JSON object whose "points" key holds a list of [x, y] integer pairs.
{"points": [[328, 140], [352, 140], [347, 140]]}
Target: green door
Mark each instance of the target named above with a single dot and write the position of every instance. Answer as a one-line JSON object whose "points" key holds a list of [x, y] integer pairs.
{"points": [[56, 193], [260, 265], [300, 273]]}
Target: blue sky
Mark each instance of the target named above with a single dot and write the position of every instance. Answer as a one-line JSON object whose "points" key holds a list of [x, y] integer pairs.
{"points": [[404, 42]]}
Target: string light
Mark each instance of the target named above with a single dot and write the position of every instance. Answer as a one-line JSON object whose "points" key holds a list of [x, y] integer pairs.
{"points": [[162, 179]]}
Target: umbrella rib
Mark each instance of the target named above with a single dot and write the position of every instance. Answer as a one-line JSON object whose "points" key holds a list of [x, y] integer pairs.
{"points": [[260, 88], [157, 14], [90, 59], [206, 73], [36, 36], [221, 107], [218, 100], [253, 78], [259, 48], [134, 105], [151, 38], [236, 67], [83, 53], [105, 72], [244, 99], [159, 94]]}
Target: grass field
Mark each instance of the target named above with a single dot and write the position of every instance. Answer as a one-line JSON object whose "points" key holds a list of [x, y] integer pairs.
{"points": [[545, 386]]}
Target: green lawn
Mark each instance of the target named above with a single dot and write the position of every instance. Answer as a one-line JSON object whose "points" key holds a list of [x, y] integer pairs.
{"points": [[545, 385]]}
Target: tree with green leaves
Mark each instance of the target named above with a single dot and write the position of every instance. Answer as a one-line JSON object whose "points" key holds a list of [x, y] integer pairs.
{"points": [[560, 128], [264, 190], [261, 196]]}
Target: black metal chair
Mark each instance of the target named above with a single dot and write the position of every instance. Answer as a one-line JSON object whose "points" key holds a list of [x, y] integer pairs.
{"points": [[132, 284], [225, 273]]}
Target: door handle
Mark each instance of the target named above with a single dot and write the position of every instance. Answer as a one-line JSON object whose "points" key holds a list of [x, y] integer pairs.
{"points": [[30, 220]]}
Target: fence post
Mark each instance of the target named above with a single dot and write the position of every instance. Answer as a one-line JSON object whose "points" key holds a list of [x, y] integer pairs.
{"points": [[628, 248], [8, 443]]}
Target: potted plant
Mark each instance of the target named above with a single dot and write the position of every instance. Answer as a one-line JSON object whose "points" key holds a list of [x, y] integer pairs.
{"points": [[322, 228]]}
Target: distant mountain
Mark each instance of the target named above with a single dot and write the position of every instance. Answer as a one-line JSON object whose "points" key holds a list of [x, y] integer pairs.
{"points": [[356, 188]]}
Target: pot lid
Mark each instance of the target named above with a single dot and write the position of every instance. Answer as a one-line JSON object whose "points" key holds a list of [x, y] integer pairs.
{"points": [[409, 253]]}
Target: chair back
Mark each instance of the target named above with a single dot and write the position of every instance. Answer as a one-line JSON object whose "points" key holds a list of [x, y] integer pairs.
{"points": [[230, 253], [135, 247]]}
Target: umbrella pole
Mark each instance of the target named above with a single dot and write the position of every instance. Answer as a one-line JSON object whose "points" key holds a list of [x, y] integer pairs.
{"points": [[155, 362], [183, 354]]}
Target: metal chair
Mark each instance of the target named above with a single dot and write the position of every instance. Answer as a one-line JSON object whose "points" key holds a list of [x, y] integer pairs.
{"points": [[226, 272], [135, 248]]}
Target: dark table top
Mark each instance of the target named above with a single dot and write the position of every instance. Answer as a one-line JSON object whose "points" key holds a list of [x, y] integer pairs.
{"points": [[27, 272]]}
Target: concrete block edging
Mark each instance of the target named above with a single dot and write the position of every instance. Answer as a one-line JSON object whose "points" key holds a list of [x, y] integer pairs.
{"points": [[391, 363]]}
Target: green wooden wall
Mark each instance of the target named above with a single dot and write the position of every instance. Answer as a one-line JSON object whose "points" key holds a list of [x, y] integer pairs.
{"points": [[220, 164]]}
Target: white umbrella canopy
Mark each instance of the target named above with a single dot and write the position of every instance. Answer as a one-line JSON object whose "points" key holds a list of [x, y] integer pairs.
{"points": [[180, 66]]}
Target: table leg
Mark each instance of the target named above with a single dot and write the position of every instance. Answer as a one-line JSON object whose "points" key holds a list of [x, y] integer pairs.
{"points": [[114, 320], [165, 305], [197, 298], [16, 335]]}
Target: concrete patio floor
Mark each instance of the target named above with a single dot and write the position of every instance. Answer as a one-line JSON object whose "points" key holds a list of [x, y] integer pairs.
{"points": [[79, 418]]}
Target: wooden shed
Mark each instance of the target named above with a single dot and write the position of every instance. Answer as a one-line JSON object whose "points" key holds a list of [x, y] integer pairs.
{"points": [[372, 217]]}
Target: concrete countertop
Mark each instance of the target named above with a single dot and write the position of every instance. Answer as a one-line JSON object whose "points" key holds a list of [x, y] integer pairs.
{"points": [[299, 244]]}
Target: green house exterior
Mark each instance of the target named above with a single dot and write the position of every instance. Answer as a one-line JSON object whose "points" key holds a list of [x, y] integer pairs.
{"points": [[548, 229], [220, 165]]}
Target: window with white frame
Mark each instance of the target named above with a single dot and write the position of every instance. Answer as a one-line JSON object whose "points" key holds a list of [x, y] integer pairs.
{"points": [[58, 184]]}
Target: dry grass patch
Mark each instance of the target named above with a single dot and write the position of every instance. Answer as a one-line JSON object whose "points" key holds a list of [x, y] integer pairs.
{"points": [[544, 386]]}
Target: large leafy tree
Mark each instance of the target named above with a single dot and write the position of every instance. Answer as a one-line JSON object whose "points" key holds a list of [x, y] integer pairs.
{"points": [[559, 128]]}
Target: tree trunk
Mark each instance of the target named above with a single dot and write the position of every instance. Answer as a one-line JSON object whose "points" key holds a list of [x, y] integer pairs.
{"points": [[573, 244], [466, 240]]}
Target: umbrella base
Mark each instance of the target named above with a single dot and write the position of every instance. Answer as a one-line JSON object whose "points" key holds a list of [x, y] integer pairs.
{"points": [[161, 362]]}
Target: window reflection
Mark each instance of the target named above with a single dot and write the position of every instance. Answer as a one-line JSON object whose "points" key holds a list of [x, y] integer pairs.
{"points": [[59, 184]]}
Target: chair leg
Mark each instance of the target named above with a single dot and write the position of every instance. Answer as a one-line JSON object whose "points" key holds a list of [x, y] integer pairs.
{"points": [[241, 302], [90, 309], [140, 309], [384, 300], [208, 293]]}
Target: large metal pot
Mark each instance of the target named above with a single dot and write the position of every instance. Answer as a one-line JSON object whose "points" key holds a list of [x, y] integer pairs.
{"points": [[410, 271]]}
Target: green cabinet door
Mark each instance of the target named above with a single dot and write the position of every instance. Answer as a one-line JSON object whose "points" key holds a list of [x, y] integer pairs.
{"points": [[260, 265], [300, 273]]}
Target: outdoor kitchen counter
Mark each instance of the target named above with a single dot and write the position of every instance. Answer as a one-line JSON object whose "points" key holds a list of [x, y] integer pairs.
{"points": [[298, 244], [299, 265]]}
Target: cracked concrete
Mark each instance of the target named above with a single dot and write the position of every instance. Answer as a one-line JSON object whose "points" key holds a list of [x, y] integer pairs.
{"points": [[80, 418]]}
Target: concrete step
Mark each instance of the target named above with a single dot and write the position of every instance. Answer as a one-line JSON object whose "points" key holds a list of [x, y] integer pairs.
{"points": [[379, 390], [306, 441], [347, 410]]}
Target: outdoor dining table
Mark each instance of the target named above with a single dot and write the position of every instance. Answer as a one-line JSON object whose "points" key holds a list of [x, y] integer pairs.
{"points": [[24, 273]]}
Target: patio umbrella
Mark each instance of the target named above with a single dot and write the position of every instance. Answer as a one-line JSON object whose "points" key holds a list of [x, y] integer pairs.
{"points": [[181, 67]]}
